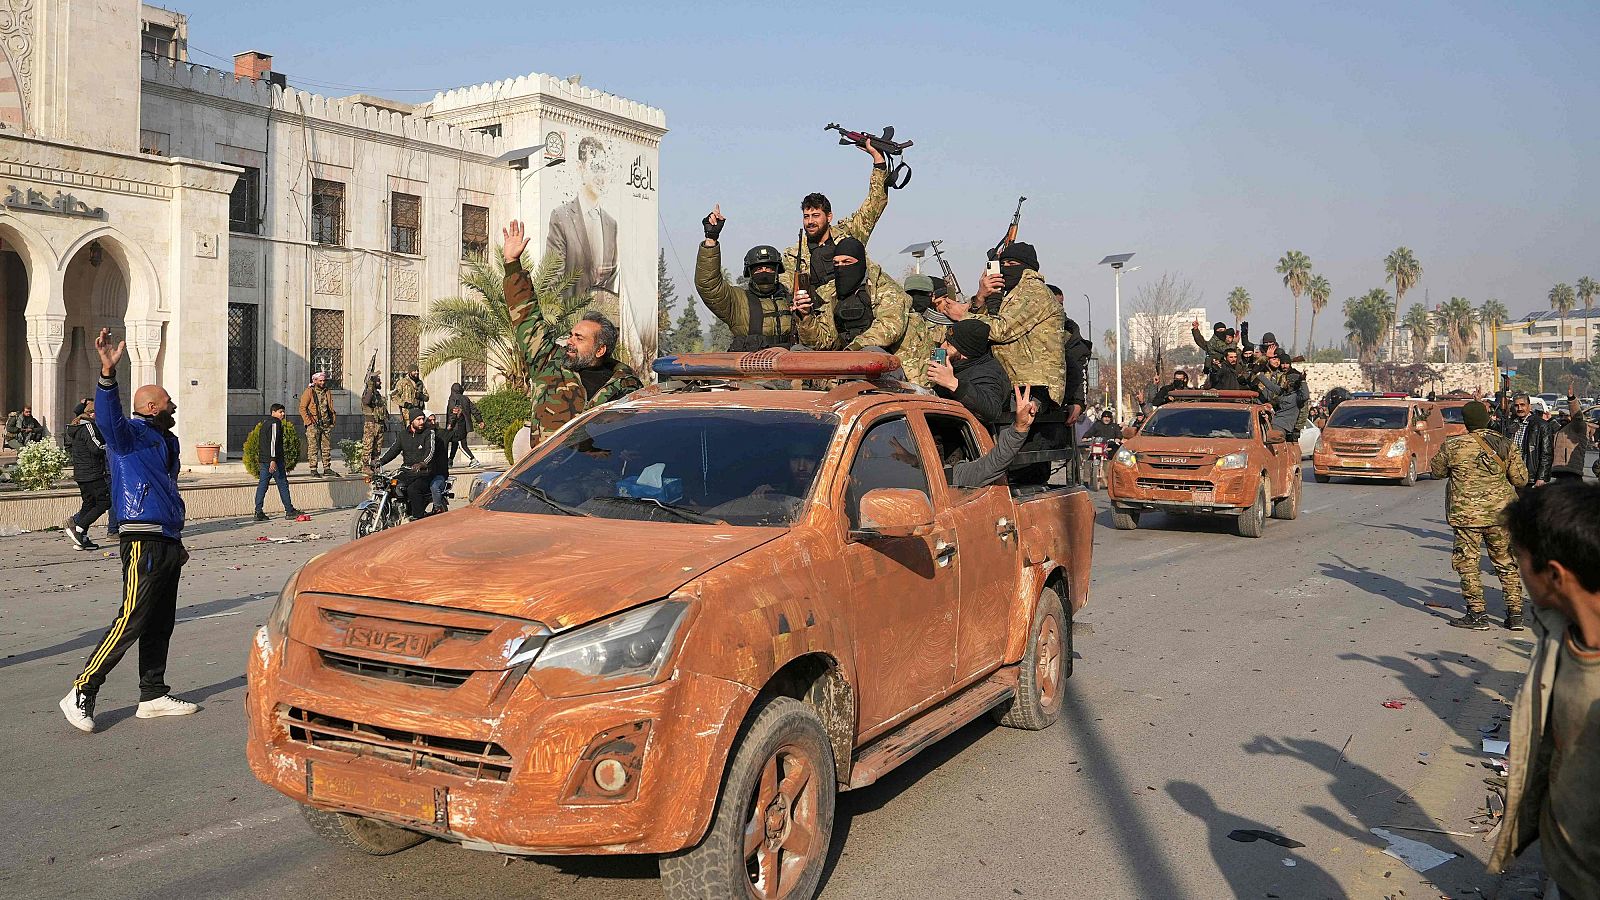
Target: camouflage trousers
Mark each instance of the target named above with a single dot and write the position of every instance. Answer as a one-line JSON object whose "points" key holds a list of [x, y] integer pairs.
{"points": [[371, 442], [319, 447], [1465, 559]]}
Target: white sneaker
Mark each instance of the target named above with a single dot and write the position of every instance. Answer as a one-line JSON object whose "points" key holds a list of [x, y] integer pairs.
{"points": [[166, 706], [78, 707]]}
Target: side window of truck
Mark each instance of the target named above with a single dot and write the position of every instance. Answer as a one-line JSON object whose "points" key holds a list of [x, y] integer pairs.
{"points": [[887, 458], [953, 440]]}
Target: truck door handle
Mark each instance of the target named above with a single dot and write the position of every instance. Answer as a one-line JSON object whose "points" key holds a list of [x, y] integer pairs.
{"points": [[943, 552], [1006, 529]]}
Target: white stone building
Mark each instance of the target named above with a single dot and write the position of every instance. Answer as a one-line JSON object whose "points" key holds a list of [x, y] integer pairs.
{"points": [[1541, 335], [1171, 331], [243, 233]]}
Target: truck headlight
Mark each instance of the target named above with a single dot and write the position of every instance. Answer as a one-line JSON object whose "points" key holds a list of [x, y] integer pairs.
{"points": [[1398, 448], [626, 650], [1234, 460], [278, 620], [1125, 457]]}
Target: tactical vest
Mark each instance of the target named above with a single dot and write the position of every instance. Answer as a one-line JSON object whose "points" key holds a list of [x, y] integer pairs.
{"points": [[756, 320], [852, 315]]}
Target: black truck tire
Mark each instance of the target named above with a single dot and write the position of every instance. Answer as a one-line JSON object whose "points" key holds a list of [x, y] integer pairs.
{"points": [[1253, 521], [1046, 666], [356, 834]]}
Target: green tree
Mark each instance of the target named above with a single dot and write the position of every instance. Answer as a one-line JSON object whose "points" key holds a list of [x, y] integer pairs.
{"points": [[666, 296], [1420, 323], [1491, 314], [1110, 341], [1295, 267], [1562, 299], [1367, 320], [476, 326], [1587, 289], [720, 337], [1401, 268], [686, 334], [1320, 291], [1459, 322], [1239, 303]]}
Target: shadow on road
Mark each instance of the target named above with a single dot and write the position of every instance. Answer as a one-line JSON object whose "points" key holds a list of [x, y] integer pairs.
{"points": [[1437, 680], [1378, 584], [1255, 867], [88, 639]]}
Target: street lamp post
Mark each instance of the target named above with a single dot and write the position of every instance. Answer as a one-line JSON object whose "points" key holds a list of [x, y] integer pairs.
{"points": [[1116, 261]]}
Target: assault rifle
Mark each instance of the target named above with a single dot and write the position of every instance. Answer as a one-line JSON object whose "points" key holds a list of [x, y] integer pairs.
{"points": [[899, 172], [952, 288], [1011, 233], [802, 276]]}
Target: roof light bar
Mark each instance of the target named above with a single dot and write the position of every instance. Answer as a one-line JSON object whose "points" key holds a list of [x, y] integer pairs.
{"points": [[776, 362], [1250, 396]]}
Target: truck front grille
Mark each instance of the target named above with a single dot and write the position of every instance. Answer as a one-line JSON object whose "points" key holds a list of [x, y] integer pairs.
{"points": [[482, 760], [1173, 484], [405, 673]]}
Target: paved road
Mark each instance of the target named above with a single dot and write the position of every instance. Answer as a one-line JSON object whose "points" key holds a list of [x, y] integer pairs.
{"points": [[1222, 683]]}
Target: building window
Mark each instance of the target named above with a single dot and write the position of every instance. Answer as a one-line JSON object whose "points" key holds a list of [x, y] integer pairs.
{"points": [[327, 344], [155, 143], [405, 223], [474, 230], [490, 130], [327, 212], [474, 375], [157, 40], [405, 334], [244, 206], [242, 347]]}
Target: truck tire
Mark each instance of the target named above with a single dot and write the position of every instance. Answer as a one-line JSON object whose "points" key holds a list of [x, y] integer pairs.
{"points": [[1288, 507], [355, 834], [1046, 666], [1252, 521], [1124, 519], [1410, 477], [1321, 478], [780, 784]]}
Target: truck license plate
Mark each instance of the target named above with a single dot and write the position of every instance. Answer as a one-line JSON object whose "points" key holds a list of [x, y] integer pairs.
{"points": [[338, 786], [390, 637], [1204, 495]]}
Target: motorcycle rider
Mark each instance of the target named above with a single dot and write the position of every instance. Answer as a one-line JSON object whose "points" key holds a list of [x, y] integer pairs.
{"points": [[416, 445]]}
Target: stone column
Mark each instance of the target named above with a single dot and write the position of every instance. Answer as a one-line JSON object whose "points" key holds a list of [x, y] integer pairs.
{"points": [[144, 346], [46, 334]]}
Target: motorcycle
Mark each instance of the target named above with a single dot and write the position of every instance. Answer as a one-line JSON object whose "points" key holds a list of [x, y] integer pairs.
{"points": [[385, 507], [1097, 464]]}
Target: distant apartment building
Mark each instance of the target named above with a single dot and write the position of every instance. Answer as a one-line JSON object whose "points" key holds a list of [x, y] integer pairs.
{"points": [[1543, 335], [1147, 333]]}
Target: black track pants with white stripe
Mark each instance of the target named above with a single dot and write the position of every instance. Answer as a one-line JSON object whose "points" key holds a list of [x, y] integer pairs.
{"points": [[150, 570]]}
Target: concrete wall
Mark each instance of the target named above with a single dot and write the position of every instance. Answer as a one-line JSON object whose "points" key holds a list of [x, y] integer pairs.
{"points": [[1323, 377]]}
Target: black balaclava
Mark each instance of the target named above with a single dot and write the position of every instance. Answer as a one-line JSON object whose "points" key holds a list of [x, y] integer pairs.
{"points": [[848, 279], [764, 282], [1011, 276], [1180, 377]]}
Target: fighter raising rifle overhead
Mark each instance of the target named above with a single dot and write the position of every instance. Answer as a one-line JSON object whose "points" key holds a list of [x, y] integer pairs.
{"points": [[1011, 233]]}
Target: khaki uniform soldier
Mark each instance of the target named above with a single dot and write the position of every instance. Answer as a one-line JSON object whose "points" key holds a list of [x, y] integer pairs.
{"points": [[822, 231], [374, 420], [926, 327], [871, 312], [1485, 471], [1028, 326], [759, 316], [316, 411], [409, 394]]}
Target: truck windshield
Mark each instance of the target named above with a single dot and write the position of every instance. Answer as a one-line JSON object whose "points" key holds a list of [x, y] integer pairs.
{"points": [[1347, 416], [740, 467], [1453, 415], [1199, 422]]}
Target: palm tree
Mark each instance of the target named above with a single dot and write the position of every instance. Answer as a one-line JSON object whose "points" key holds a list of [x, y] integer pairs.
{"points": [[1110, 339], [1491, 314], [1402, 268], [1459, 322], [1562, 299], [476, 326], [1295, 267], [1239, 303], [1587, 289], [1320, 290], [1420, 323], [1367, 319]]}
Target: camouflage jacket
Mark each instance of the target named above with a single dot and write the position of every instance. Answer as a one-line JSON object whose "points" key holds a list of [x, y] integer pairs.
{"points": [[731, 303], [1214, 346], [1028, 330], [556, 392], [407, 393], [372, 406], [858, 225], [891, 306], [1484, 471], [916, 349]]}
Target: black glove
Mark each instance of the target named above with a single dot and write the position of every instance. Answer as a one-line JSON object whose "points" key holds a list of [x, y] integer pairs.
{"points": [[713, 232]]}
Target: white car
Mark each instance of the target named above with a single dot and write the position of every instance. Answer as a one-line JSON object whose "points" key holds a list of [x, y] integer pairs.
{"points": [[1308, 440]]}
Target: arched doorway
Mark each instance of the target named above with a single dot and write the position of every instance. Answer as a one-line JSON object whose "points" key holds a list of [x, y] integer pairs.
{"points": [[95, 292], [16, 383]]}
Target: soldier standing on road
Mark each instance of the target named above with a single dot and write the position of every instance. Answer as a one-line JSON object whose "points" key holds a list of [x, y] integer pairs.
{"points": [[1485, 470], [374, 420], [316, 411], [143, 457]]}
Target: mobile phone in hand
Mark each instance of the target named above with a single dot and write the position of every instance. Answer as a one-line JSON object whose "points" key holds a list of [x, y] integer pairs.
{"points": [[940, 354], [993, 267]]}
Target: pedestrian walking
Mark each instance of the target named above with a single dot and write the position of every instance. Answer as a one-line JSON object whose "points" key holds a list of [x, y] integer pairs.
{"points": [[460, 417], [1555, 722], [87, 449], [1485, 471], [375, 420], [274, 466], [316, 411], [142, 453]]}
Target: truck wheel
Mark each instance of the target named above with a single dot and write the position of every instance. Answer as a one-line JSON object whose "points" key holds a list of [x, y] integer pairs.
{"points": [[1411, 473], [1251, 522], [1321, 478], [1124, 519], [1288, 507], [770, 833], [1046, 666], [355, 834]]}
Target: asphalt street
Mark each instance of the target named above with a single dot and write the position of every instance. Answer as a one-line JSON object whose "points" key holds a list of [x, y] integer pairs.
{"points": [[1221, 683]]}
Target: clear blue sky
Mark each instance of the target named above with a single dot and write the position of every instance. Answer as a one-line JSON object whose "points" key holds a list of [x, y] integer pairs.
{"points": [[1206, 137]]}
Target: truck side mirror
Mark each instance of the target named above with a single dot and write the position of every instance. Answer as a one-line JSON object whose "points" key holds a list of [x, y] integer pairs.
{"points": [[1128, 431], [894, 513], [1275, 436], [1420, 427]]}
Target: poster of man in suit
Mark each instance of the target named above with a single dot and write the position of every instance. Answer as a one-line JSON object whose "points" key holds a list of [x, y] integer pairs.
{"points": [[584, 232]]}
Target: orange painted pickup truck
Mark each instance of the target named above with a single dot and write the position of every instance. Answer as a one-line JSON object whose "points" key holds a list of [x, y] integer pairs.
{"points": [[1207, 452], [1393, 437], [678, 627]]}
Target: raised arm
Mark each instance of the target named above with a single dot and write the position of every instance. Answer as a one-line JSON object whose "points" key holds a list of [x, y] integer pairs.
{"points": [[108, 412], [861, 222], [718, 295]]}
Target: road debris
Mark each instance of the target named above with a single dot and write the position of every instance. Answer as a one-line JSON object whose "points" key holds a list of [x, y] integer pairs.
{"points": [[1394, 704], [1496, 748], [1419, 856], [1250, 835]]}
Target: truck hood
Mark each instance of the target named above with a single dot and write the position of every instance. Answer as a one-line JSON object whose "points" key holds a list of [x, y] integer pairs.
{"points": [[1192, 450], [558, 570]]}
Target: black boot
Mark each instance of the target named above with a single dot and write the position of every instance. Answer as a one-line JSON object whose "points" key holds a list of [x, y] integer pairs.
{"points": [[261, 516], [1514, 621], [1476, 621]]}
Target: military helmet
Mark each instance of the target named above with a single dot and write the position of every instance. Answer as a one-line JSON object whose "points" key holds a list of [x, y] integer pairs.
{"points": [[762, 255]]}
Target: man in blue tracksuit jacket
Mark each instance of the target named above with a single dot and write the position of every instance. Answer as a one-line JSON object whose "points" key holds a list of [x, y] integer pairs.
{"points": [[142, 454]]}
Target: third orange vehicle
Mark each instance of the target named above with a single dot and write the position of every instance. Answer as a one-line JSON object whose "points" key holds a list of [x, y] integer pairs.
{"points": [[1388, 436]]}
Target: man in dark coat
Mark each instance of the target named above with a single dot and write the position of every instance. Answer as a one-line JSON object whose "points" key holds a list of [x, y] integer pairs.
{"points": [[87, 449], [274, 466], [1532, 435], [416, 444], [460, 417], [1226, 373], [1179, 382], [970, 374]]}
